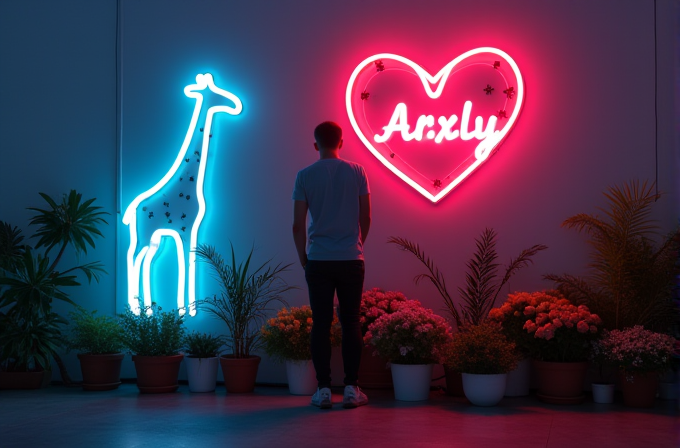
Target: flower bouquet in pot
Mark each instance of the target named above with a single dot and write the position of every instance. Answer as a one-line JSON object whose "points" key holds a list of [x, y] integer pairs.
{"points": [[155, 338], [511, 318], [374, 371], [202, 351], [560, 348], [286, 339], [413, 339], [484, 356], [99, 341], [640, 356]]}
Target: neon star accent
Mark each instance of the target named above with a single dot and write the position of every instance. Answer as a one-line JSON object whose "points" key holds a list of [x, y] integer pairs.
{"points": [[448, 131], [139, 259]]}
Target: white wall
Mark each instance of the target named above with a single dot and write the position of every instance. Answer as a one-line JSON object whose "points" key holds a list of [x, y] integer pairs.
{"points": [[588, 121]]}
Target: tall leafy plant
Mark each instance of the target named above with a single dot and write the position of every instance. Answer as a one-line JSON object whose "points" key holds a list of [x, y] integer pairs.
{"points": [[481, 285], [633, 266], [245, 298], [30, 282]]}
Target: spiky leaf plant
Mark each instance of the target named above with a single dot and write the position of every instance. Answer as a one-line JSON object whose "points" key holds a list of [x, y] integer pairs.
{"points": [[481, 285], [632, 265]]}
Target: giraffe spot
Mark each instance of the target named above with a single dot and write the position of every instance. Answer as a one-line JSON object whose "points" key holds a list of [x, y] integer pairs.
{"points": [[184, 215], [169, 221], [180, 179], [183, 229], [150, 215], [167, 214], [187, 160], [191, 179], [167, 204], [143, 209], [188, 197], [181, 195]]}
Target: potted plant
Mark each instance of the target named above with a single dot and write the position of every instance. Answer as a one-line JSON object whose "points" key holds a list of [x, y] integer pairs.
{"points": [[99, 341], [374, 371], [633, 267], [154, 338], [202, 351], [246, 295], [641, 356], [560, 347], [412, 339], [287, 339], [30, 282], [484, 357], [479, 294], [510, 316]]}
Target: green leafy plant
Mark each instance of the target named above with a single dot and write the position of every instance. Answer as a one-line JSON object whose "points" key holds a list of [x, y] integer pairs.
{"points": [[30, 281], [481, 287], [245, 298], [633, 268], [153, 332], [481, 349], [202, 345], [94, 335]]}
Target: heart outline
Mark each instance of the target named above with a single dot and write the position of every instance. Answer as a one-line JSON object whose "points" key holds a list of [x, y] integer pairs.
{"points": [[440, 80]]}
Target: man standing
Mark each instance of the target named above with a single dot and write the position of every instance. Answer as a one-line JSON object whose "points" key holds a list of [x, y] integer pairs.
{"points": [[336, 194]]}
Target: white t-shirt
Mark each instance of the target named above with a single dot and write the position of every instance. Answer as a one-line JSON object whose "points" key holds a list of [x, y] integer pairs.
{"points": [[331, 189]]}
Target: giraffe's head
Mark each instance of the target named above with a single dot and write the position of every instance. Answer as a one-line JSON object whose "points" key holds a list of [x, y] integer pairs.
{"points": [[205, 81]]}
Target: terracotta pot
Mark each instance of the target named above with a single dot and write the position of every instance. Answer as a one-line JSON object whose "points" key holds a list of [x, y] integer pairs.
{"points": [[22, 380], [640, 392], [101, 372], [374, 371], [239, 373], [157, 374], [560, 382], [454, 382]]}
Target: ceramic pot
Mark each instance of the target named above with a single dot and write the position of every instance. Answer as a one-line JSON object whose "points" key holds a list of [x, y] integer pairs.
{"points": [[157, 374], [101, 372], [603, 393], [374, 371], [518, 380], [484, 390], [239, 373], [301, 377], [22, 380], [202, 373], [411, 382], [454, 382], [560, 382], [639, 389]]}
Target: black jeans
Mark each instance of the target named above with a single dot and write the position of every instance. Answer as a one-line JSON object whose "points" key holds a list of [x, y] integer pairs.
{"points": [[324, 279]]}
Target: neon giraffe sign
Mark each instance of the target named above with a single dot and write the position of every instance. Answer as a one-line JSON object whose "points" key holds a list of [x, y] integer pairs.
{"points": [[159, 225], [439, 149]]}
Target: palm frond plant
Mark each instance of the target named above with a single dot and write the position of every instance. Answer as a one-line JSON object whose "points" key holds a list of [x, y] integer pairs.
{"points": [[30, 281], [246, 296], [481, 286], [633, 266]]}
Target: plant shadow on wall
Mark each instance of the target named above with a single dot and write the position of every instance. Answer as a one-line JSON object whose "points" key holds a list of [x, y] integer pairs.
{"points": [[30, 331], [246, 296], [633, 267], [481, 286]]}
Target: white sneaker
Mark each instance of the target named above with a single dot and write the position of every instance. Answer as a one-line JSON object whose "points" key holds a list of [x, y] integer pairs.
{"points": [[353, 397], [322, 398]]}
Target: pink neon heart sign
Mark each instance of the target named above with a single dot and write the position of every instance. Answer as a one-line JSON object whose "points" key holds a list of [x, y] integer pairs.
{"points": [[434, 131]]}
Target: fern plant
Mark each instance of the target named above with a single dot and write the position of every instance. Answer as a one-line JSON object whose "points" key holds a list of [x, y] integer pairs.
{"points": [[481, 286], [632, 266]]}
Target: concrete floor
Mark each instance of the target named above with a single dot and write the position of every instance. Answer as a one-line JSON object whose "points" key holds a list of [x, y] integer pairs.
{"points": [[270, 417]]}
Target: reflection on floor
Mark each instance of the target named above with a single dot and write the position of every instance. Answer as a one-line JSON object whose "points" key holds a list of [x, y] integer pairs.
{"points": [[271, 417]]}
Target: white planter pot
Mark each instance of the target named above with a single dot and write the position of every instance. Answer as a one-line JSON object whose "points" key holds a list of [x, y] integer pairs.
{"points": [[518, 380], [202, 373], [411, 382], [484, 390], [603, 393], [301, 377]]}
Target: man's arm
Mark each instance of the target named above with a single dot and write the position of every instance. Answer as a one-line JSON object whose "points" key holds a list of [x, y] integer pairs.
{"points": [[364, 215], [300, 230]]}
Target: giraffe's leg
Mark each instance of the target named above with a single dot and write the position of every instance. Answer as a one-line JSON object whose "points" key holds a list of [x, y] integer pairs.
{"points": [[134, 270], [156, 239]]}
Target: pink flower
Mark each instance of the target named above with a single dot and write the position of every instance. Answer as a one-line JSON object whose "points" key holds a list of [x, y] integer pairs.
{"points": [[582, 327], [530, 310]]}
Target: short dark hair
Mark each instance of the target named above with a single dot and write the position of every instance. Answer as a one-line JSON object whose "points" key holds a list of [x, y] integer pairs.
{"points": [[328, 135]]}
